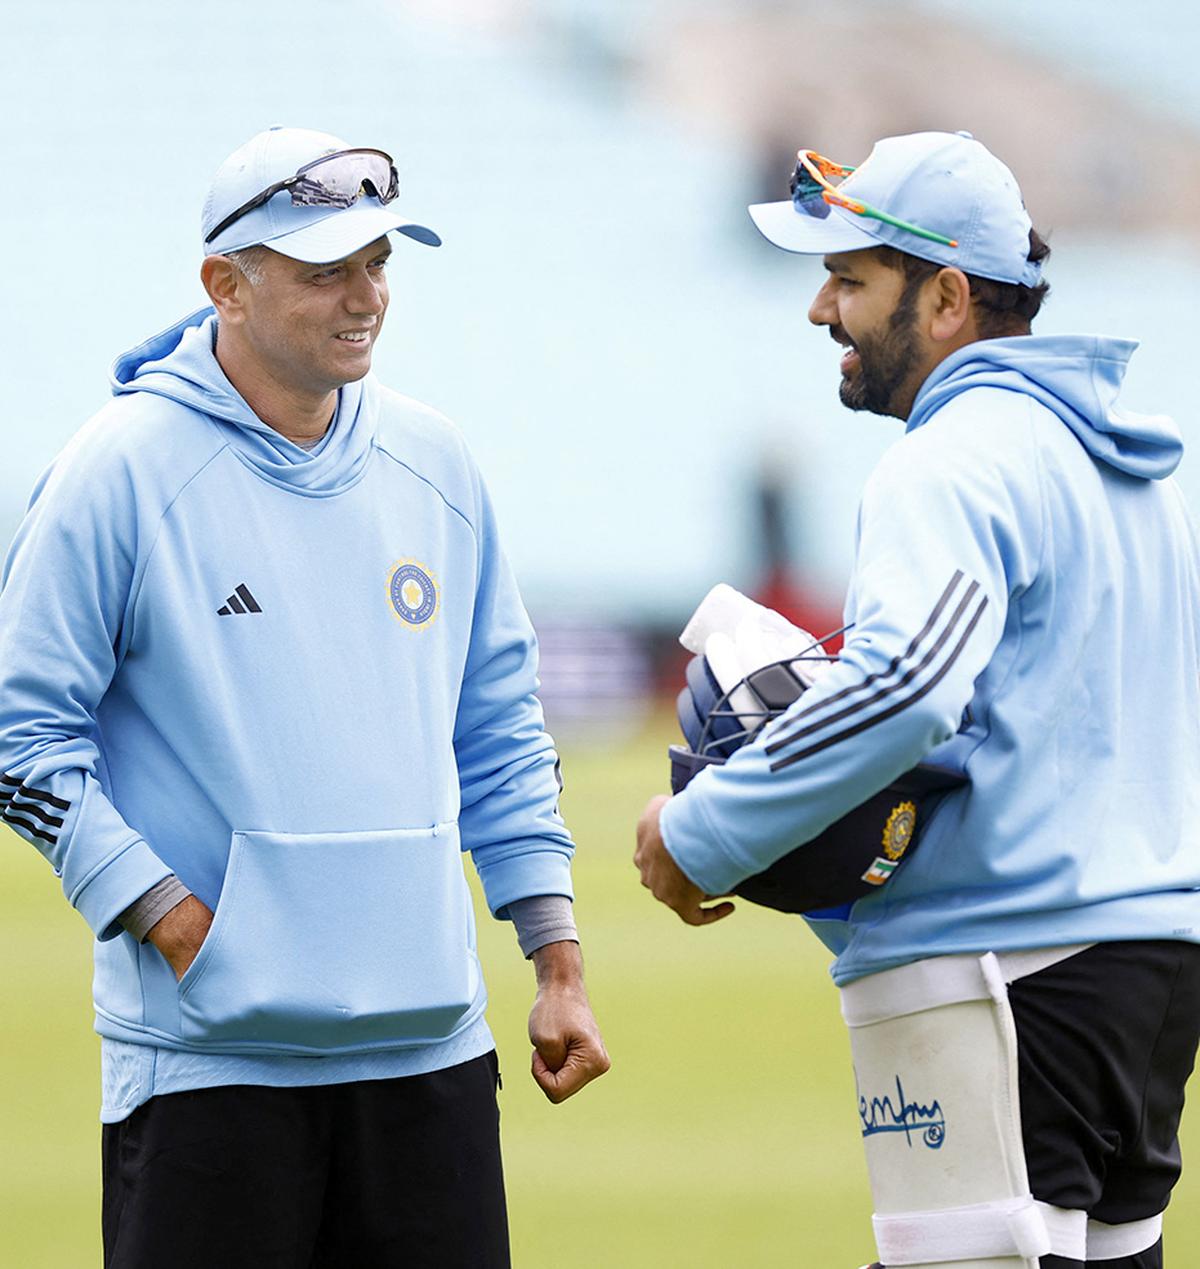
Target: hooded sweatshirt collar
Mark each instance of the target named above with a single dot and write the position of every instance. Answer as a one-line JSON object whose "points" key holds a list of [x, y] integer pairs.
{"points": [[180, 364], [1078, 378]]}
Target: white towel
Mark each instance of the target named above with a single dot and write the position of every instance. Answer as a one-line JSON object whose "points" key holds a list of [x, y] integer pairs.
{"points": [[738, 636]]}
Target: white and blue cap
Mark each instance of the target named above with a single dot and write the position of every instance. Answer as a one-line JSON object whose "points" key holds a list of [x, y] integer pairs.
{"points": [[944, 182], [313, 234]]}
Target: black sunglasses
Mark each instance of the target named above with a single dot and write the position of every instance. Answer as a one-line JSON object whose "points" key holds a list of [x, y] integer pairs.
{"points": [[333, 180]]}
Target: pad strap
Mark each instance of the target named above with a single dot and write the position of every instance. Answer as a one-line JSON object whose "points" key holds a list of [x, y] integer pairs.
{"points": [[941, 980], [1111, 1242], [1011, 1227], [920, 987]]}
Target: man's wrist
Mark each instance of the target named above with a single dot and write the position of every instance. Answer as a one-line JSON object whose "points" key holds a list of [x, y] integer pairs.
{"points": [[558, 965], [145, 913]]}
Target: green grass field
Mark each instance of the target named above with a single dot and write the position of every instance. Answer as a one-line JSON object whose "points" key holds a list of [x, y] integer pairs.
{"points": [[725, 1134]]}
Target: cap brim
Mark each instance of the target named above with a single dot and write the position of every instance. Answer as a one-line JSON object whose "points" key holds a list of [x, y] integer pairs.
{"points": [[346, 232], [783, 225]]}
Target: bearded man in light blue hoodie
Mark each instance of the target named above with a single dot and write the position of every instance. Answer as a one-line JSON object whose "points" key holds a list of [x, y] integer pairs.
{"points": [[264, 676], [1023, 989]]}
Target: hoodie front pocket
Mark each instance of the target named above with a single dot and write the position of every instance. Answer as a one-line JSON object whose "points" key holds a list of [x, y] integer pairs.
{"points": [[332, 941]]}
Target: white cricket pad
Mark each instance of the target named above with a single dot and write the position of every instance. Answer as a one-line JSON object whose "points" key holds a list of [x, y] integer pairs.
{"points": [[935, 1062]]}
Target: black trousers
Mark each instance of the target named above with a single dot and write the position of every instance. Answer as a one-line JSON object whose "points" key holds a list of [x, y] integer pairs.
{"points": [[381, 1173], [1106, 1041]]}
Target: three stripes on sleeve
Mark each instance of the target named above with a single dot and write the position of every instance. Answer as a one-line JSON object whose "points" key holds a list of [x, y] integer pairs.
{"points": [[907, 678], [32, 812]]}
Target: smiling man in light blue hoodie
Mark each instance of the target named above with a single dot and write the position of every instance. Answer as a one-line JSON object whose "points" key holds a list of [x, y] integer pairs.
{"points": [[1023, 993], [264, 676]]}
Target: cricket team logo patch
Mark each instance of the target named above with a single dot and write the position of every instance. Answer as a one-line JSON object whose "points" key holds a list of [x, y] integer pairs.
{"points": [[897, 836], [413, 593], [898, 831]]}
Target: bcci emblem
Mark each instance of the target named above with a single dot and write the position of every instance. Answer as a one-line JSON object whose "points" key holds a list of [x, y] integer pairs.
{"points": [[413, 592], [898, 831], [897, 835]]}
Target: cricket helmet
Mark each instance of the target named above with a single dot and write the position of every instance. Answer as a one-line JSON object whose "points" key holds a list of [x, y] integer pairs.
{"points": [[722, 707]]}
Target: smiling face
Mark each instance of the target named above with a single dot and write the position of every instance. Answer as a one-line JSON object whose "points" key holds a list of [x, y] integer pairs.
{"points": [[875, 316], [312, 327]]}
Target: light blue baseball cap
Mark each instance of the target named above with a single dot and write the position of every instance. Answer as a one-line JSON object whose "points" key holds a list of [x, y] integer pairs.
{"points": [[944, 182], [313, 234]]}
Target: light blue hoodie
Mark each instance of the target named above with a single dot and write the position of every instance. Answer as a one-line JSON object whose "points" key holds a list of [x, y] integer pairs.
{"points": [[301, 681], [1025, 603]]}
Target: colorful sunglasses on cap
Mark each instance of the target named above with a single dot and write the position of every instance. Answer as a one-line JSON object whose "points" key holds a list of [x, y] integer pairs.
{"points": [[813, 194], [333, 180]]}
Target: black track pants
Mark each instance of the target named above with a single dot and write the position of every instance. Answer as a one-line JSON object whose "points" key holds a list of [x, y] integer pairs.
{"points": [[382, 1173]]}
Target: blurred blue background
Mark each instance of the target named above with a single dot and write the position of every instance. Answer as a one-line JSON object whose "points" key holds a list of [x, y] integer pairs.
{"points": [[623, 351]]}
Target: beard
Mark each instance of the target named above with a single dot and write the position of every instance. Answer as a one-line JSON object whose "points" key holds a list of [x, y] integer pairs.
{"points": [[886, 363]]}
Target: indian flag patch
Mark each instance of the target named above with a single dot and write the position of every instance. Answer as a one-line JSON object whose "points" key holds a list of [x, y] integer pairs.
{"points": [[879, 871]]}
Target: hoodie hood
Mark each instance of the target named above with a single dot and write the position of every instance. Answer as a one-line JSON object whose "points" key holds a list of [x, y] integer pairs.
{"points": [[1078, 378], [181, 365]]}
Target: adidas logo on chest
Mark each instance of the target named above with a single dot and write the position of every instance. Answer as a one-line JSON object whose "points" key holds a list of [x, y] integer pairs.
{"points": [[241, 601]]}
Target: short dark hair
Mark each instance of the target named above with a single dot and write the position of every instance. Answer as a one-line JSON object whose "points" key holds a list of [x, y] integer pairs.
{"points": [[1001, 308]]}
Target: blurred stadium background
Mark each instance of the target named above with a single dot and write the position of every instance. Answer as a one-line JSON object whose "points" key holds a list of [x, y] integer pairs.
{"points": [[634, 370]]}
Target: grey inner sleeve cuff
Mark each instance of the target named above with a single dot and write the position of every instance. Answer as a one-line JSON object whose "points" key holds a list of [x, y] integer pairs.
{"points": [[542, 919], [144, 914]]}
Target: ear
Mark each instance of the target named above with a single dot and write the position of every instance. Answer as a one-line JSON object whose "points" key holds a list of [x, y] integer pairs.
{"points": [[227, 287], [951, 316]]}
